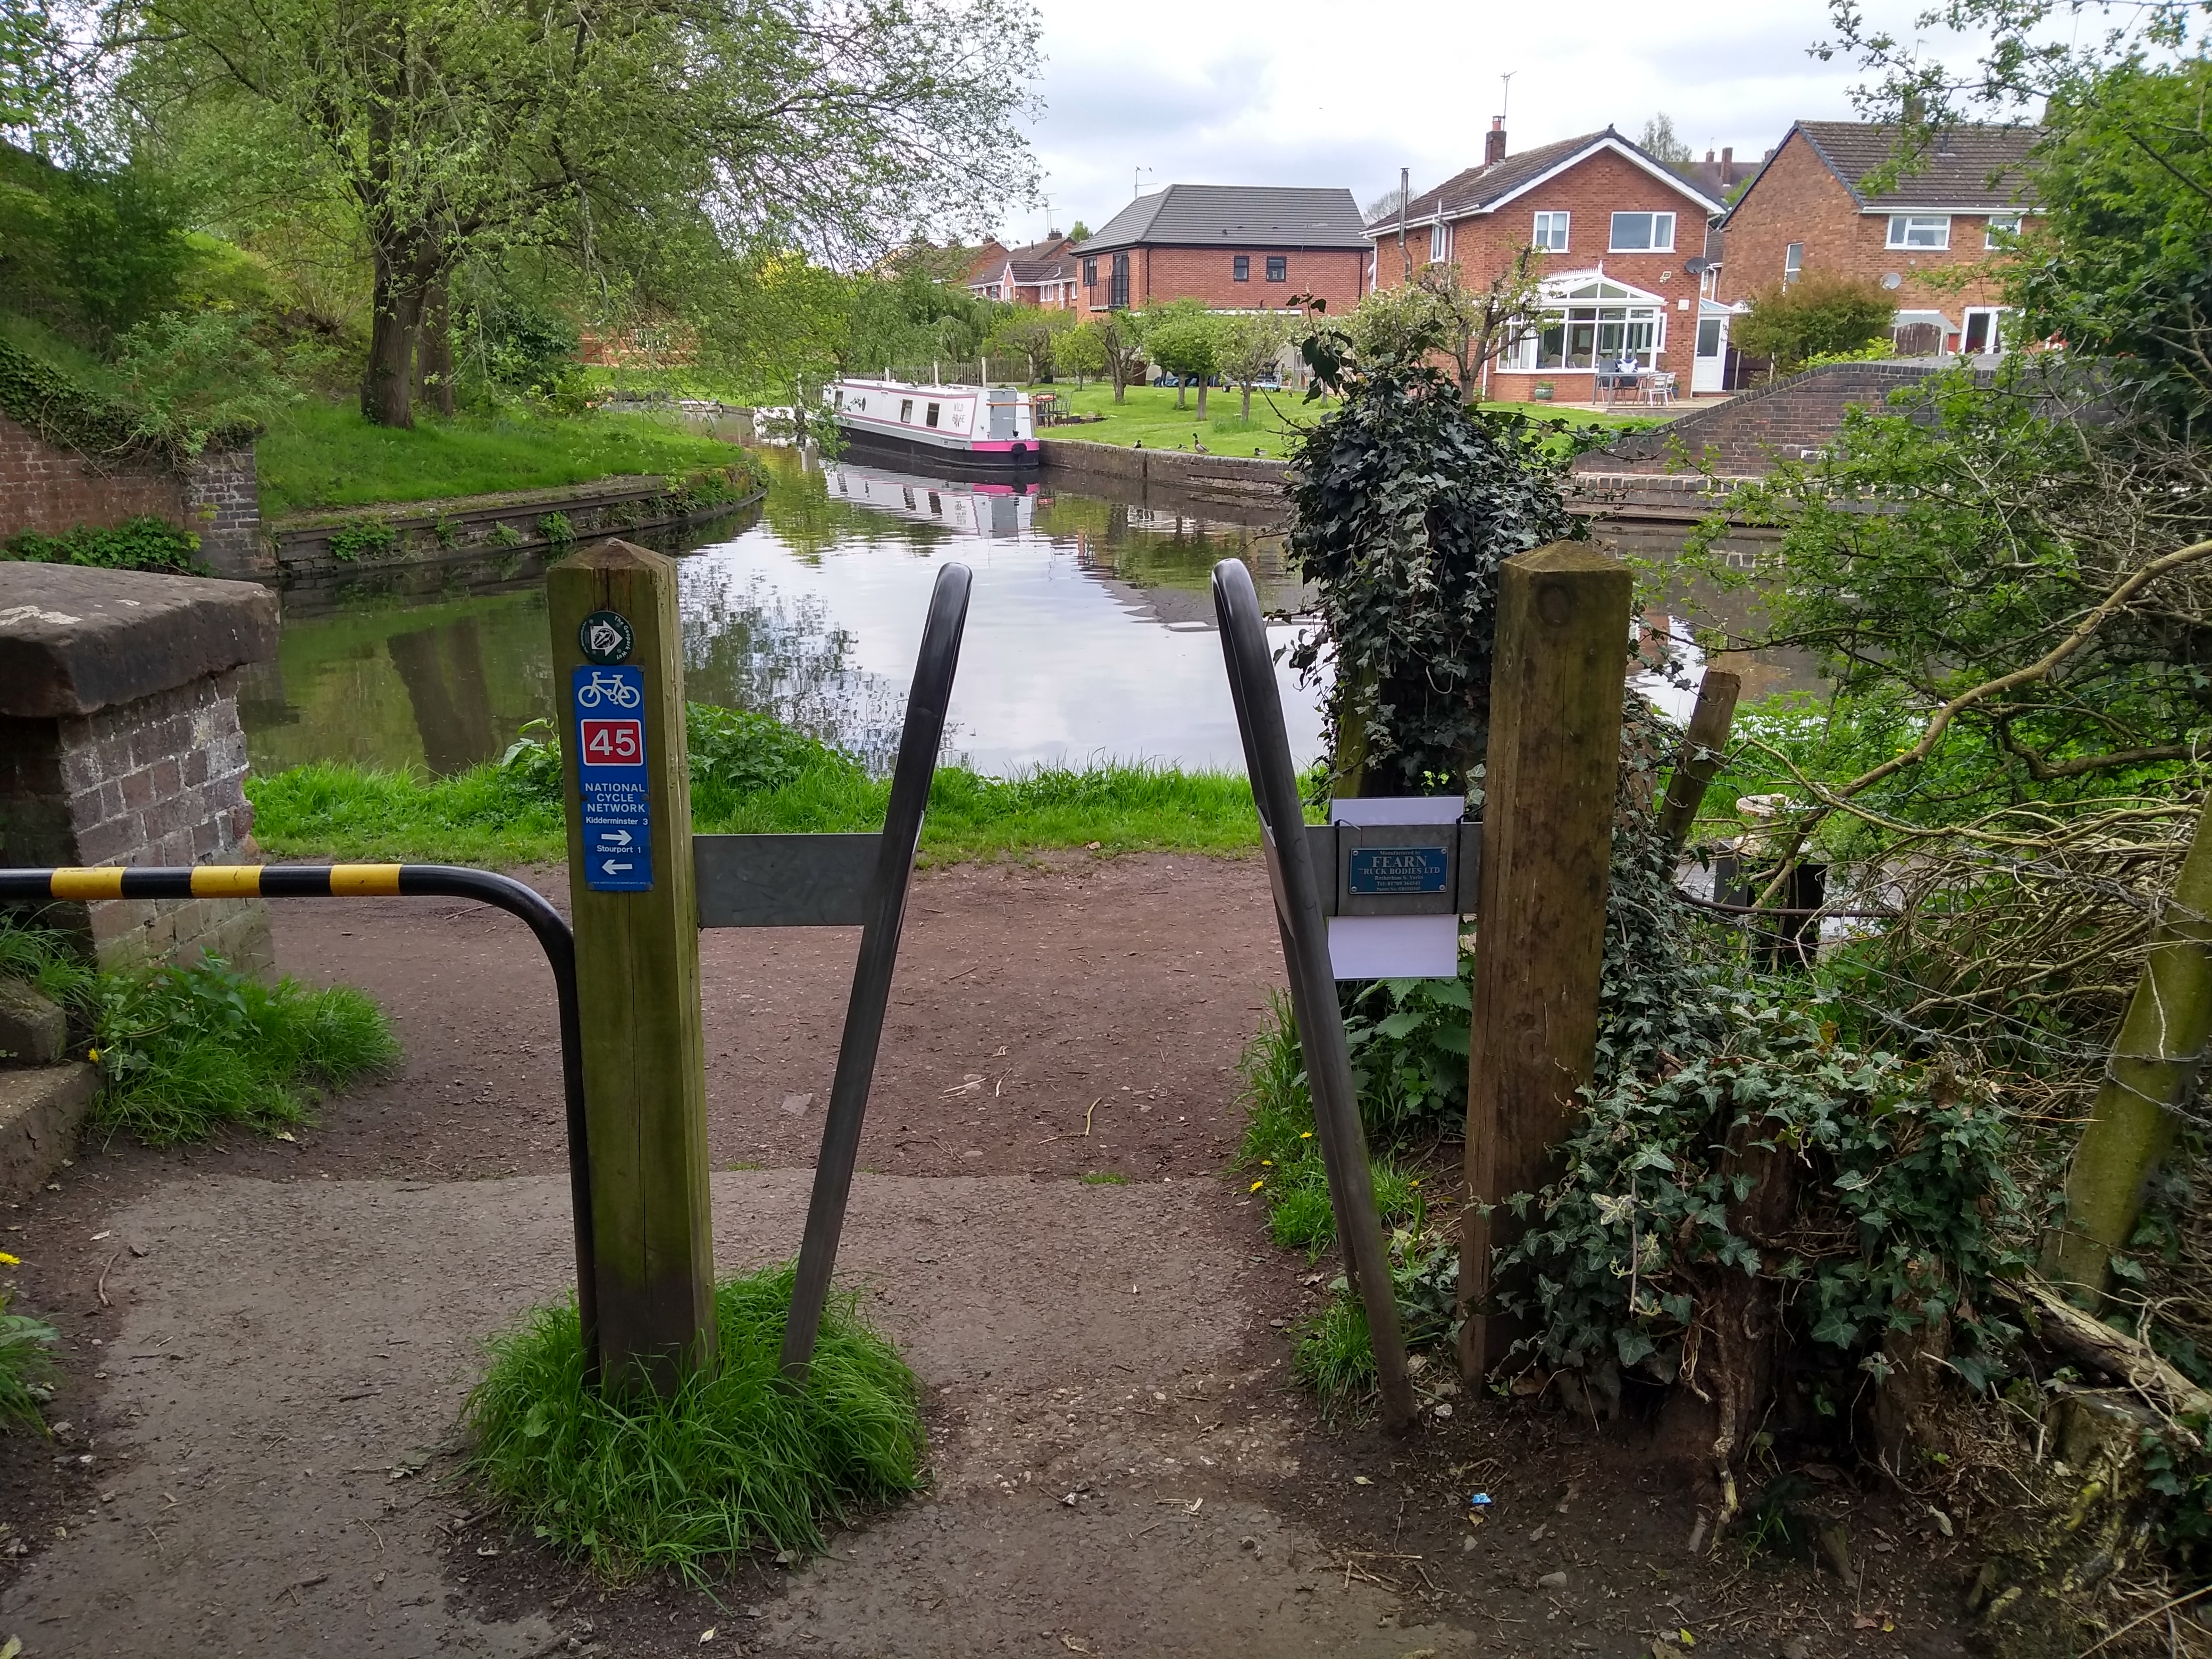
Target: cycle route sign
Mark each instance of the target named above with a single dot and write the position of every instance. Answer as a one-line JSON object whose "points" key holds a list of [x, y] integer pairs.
{"points": [[607, 727]]}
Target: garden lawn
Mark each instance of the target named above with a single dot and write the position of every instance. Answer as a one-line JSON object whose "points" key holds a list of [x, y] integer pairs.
{"points": [[321, 454], [1148, 416]]}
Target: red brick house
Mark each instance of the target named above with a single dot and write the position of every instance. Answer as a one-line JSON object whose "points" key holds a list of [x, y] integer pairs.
{"points": [[1617, 228], [1237, 248], [1042, 273], [1808, 209]]}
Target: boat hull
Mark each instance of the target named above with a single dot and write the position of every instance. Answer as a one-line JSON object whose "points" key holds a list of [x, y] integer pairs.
{"points": [[1016, 459]]}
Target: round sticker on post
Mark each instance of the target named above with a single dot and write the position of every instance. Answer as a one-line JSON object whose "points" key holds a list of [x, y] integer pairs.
{"points": [[605, 636]]}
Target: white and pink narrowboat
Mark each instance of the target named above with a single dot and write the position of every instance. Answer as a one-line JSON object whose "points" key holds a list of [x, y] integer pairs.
{"points": [[965, 430]]}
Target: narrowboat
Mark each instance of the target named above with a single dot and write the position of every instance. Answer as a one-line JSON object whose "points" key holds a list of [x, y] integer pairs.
{"points": [[968, 430], [978, 507]]}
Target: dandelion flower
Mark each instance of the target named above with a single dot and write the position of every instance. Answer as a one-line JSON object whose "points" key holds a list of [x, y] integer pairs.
{"points": [[1257, 1185], [7, 1261], [93, 1054], [1308, 1135]]}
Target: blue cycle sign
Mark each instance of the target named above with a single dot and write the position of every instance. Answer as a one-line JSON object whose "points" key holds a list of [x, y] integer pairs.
{"points": [[607, 728]]}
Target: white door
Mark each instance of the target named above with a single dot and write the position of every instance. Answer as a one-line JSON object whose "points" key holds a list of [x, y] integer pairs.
{"points": [[1981, 335], [1709, 368]]}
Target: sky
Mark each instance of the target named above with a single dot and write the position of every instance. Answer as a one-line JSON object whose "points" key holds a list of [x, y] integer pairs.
{"points": [[1294, 92]]}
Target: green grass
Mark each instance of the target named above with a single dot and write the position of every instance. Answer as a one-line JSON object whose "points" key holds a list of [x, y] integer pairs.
{"points": [[318, 454], [730, 1463], [1105, 1178], [182, 1049], [486, 815], [1334, 1356], [27, 1365], [1149, 414]]}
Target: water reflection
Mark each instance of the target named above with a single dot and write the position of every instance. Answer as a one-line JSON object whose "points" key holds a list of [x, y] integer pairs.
{"points": [[1089, 636]]}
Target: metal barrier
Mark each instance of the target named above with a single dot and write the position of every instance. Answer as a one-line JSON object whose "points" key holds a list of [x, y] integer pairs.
{"points": [[1289, 846], [276, 881]]}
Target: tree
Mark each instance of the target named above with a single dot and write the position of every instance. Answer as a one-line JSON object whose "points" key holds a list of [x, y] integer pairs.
{"points": [[608, 130], [1078, 351], [1122, 339], [1660, 140], [1188, 344], [1029, 331], [1388, 203], [1819, 314], [1251, 343], [1079, 232], [1437, 311]]}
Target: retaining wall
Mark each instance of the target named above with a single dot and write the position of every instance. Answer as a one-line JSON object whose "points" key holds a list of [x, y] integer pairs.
{"points": [[50, 489], [1791, 420], [1226, 478], [473, 528]]}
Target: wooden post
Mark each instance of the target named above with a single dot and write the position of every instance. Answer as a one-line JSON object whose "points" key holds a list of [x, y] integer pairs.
{"points": [[637, 957], [2155, 1061], [1703, 745], [1554, 766]]}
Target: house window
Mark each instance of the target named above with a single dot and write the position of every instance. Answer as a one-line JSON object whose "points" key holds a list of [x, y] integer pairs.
{"points": [[1279, 268], [1643, 232], [2002, 231], [1117, 292], [1551, 233], [1591, 327], [930, 419], [1440, 243], [906, 411], [1923, 230], [1239, 268], [1090, 273], [1793, 263]]}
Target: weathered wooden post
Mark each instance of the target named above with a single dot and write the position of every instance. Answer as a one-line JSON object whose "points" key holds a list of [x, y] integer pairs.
{"points": [[1703, 745], [1554, 764], [617, 656], [2154, 1062]]}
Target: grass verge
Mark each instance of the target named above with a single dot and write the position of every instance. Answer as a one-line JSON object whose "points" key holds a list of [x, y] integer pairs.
{"points": [[182, 1049], [321, 453], [27, 1365], [734, 1461], [509, 812]]}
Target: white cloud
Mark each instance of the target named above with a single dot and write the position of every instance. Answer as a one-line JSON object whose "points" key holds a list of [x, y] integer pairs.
{"points": [[1297, 92]]}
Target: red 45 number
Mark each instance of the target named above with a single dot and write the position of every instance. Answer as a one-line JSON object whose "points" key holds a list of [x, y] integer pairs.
{"points": [[614, 743]]}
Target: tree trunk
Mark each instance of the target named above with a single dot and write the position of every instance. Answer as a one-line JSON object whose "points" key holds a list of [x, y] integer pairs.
{"points": [[1183, 392], [396, 309], [1203, 383], [1248, 400], [433, 350]]}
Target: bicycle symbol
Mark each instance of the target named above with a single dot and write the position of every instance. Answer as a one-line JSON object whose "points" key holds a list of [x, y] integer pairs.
{"points": [[609, 688]]}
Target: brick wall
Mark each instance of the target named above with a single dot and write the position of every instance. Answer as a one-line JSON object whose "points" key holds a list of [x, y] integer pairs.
{"points": [[1158, 275], [51, 489], [45, 488], [1591, 193], [1743, 437], [1798, 199], [157, 781]]}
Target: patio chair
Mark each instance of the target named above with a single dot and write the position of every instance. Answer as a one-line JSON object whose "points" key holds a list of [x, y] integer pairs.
{"points": [[1659, 388]]}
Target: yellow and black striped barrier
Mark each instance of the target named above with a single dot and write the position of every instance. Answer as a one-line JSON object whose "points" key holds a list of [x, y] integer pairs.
{"points": [[282, 881]]}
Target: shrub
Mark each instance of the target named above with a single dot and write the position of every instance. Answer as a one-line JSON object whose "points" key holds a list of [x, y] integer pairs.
{"points": [[358, 538], [1819, 314], [144, 542], [26, 1363]]}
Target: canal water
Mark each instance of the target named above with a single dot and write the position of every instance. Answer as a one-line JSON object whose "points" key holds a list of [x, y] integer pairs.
{"points": [[1090, 632]]}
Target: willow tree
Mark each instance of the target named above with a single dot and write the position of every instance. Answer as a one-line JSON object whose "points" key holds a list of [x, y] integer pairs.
{"points": [[617, 131]]}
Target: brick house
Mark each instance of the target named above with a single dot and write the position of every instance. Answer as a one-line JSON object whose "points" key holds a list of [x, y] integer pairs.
{"points": [[1807, 209], [1617, 227], [1042, 273], [1235, 248]]}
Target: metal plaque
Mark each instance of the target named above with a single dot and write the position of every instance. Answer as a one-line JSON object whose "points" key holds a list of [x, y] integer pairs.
{"points": [[605, 636], [607, 734]]}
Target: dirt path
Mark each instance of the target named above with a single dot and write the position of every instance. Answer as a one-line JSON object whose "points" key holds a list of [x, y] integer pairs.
{"points": [[261, 1335]]}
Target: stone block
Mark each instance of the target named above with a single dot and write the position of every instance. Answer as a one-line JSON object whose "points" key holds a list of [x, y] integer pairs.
{"points": [[33, 1029], [41, 1109], [74, 640]]}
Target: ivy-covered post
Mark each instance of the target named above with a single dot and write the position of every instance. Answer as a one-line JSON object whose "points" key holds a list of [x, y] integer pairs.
{"points": [[619, 661], [2154, 1063], [1555, 711]]}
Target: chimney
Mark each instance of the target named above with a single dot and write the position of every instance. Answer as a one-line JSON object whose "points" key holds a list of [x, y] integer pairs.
{"points": [[1727, 167], [1708, 158], [1494, 142]]}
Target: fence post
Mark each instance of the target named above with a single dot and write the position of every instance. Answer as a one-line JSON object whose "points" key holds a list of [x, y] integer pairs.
{"points": [[1553, 769], [618, 667], [1700, 756], [2154, 1061]]}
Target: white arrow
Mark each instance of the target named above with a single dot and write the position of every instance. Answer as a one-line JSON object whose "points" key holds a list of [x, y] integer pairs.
{"points": [[614, 837], [609, 866]]}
